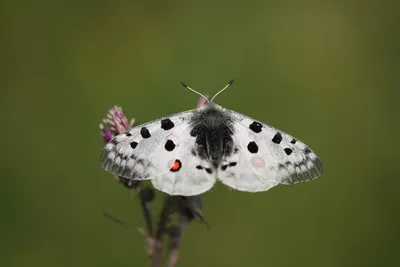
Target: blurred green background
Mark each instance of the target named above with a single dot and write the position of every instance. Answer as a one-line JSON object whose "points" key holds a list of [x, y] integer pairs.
{"points": [[326, 72]]}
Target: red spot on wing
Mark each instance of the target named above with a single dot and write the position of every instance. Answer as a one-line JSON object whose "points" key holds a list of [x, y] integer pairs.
{"points": [[176, 165]]}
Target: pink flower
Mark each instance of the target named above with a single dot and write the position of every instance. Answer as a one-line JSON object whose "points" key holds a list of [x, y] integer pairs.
{"points": [[115, 124]]}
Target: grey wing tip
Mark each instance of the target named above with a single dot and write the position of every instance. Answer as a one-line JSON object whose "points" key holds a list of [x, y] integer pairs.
{"points": [[105, 162], [103, 159], [108, 164], [315, 172], [319, 166], [309, 175]]}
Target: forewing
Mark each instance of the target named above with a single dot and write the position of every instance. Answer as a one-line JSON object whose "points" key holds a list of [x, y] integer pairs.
{"points": [[131, 154], [266, 157], [154, 150]]}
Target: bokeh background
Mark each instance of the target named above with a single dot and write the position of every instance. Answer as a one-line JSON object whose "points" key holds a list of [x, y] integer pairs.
{"points": [[324, 71]]}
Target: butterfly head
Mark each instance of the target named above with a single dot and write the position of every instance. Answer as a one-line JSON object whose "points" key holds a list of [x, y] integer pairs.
{"points": [[208, 104]]}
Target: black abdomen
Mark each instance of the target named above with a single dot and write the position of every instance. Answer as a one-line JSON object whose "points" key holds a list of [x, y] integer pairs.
{"points": [[213, 131]]}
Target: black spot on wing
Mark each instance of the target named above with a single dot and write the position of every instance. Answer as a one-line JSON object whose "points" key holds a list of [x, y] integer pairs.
{"points": [[133, 144], [288, 151], [277, 138], [307, 150], [208, 170], [199, 167], [169, 145], [252, 147], [256, 127], [293, 141], [144, 132], [167, 124], [231, 164], [127, 133]]}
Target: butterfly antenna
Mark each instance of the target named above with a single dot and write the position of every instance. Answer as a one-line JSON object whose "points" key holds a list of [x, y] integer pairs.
{"points": [[220, 91], [191, 89]]}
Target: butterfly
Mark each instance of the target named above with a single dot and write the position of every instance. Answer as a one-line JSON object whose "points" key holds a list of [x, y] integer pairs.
{"points": [[186, 153]]}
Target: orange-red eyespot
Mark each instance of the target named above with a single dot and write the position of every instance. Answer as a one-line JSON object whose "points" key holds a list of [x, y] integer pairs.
{"points": [[176, 165]]}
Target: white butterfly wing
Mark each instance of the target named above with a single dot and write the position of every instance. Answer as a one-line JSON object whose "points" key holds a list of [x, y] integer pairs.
{"points": [[159, 150], [193, 177], [266, 157]]}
